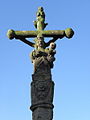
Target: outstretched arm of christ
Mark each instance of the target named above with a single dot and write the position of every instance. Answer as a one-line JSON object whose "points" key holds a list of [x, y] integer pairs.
{"points": [[27, 42], [53, 40]]}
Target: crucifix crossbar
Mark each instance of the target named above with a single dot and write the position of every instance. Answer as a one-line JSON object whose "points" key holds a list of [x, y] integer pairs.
{"points": [[40, 26]]}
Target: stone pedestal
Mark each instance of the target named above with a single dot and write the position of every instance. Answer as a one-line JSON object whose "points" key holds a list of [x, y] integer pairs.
{"points": [[42, 91]]}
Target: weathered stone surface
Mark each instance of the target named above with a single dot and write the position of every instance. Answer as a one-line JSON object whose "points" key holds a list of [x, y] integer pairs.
{"points": [[47, 33], [42, 113], [42, 92]]}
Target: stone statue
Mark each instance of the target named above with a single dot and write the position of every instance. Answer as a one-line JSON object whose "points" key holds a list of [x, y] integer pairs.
{"points": [[39, 23], [42, 57], [41, 53]]}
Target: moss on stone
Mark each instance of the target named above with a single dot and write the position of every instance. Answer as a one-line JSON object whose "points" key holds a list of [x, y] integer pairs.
{"points": [[69, 33]]}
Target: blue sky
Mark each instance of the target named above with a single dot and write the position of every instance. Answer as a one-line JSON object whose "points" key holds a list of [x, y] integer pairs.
{"points": [[71, 72]]}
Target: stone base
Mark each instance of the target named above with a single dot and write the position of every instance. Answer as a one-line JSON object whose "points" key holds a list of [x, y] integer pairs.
{"points": [[42, 114]]}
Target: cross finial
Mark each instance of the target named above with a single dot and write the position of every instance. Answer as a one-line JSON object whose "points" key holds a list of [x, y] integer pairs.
{"points": [[39, 23]]}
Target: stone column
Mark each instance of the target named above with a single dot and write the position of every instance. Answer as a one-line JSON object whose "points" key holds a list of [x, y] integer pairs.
{"points": [[42, 91]]}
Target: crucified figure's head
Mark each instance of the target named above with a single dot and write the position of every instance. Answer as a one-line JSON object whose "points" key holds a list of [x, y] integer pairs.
{"points": [[40, 44]]}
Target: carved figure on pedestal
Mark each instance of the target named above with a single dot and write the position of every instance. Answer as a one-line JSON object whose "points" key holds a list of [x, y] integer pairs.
{"points": [[39, 23]]}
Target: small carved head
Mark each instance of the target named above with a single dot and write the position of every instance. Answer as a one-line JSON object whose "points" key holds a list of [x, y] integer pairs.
{"points": [[40, 9], [40, 42], [52, 45]]}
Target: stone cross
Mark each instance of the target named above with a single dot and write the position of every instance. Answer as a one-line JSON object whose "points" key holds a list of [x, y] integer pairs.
{"points": [[40, 26], [42, 86]]}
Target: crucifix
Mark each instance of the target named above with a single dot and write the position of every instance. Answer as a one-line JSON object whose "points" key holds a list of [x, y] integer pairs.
{"points": [[42, 57]]}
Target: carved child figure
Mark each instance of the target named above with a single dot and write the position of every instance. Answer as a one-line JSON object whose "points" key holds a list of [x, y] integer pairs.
{"points": [[39, 22]]}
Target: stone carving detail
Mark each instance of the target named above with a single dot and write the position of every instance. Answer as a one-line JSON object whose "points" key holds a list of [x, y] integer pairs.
{"points": [[42, 91], [43, 57], [39, 23]]}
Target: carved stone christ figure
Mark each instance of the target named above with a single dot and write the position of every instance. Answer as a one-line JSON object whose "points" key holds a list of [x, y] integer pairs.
{"points": [[41, 55]]}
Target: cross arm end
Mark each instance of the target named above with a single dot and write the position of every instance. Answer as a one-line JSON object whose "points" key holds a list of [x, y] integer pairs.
{"points": [[11, 34]]}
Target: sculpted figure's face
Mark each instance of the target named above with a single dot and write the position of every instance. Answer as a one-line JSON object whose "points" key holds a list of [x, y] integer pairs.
{"points": [[40, 42], [52, 45], [40, 8]]}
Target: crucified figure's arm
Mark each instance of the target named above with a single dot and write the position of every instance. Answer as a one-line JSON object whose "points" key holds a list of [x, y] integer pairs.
{"points": [[27, 42], [53, 40]]}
